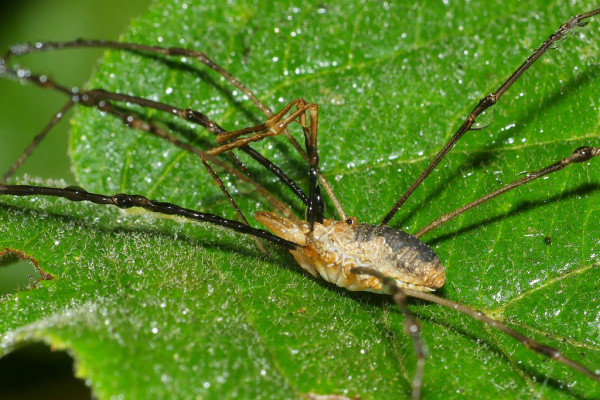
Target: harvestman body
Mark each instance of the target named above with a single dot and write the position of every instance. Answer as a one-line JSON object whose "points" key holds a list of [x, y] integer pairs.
{"points": [[334, 248], [351, 255]]}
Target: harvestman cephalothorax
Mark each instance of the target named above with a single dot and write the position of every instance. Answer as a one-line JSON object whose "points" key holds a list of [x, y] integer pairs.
{"points": [[351, 255]]}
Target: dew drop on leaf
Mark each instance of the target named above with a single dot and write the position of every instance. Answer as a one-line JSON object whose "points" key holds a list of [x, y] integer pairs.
{"points": [[484, 119]]}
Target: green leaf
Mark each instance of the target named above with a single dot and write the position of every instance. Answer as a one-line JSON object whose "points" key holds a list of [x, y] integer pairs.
{"points": [[158, 307]]}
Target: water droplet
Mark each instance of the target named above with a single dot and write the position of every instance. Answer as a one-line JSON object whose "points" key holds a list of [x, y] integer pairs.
{"points": [[484, 119]]}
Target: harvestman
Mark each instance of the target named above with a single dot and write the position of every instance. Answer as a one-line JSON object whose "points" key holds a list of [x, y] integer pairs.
{"points": [[351, 255]]}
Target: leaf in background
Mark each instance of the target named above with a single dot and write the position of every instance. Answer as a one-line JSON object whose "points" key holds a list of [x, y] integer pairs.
{"points": [[159, 307]]}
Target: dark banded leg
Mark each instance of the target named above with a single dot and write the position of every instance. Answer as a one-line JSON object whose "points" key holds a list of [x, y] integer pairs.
{"points": [[136, 123], [95, 97], [490, 100], [527, 342], [580, 155], [100, 99], [89, 98], [22, 49], [275, 125], [316, 207], [19, 50], [129, 201]]}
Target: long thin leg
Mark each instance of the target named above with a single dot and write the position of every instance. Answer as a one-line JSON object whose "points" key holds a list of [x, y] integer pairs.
{"points": [[411, 326], [489, 101], [413, 329], [215, 129], [529, 343], [19, 50], [95, 96], [37, 140], [136, 123], [316, 207], [197, 117], [90, 98], [275, 125], [22, 49], [129, 201], [582, 154]]}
